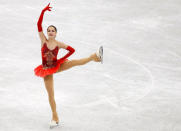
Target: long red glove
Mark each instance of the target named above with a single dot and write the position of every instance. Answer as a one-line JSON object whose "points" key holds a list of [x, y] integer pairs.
{"points": [[41, 17], [71, 51]]}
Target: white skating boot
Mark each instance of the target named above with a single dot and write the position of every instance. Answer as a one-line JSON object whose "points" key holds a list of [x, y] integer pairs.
{"points": [[99, 53], [53, 124]]}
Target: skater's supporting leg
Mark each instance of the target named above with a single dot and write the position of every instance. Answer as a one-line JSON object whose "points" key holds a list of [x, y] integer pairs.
{"points": [[77, 62], [48, 80]]}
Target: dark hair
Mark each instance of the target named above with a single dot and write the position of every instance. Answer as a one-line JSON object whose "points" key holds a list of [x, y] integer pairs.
{"points": [[53, 27]]}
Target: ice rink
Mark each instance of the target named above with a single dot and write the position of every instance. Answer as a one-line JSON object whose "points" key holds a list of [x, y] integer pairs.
{"points": [[137, 88]]}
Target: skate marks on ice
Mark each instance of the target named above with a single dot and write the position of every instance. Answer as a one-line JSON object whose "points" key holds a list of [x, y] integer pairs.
{"points": [[125, 79]]}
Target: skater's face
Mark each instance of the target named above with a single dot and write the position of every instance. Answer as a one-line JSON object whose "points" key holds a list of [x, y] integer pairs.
{"points": [[51, 32]]}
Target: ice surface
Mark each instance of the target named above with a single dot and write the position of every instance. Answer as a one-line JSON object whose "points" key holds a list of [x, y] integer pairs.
{"points": [[137, 88]]}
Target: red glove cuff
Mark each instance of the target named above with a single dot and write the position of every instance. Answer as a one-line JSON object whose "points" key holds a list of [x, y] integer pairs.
{"points": [[70, 49]]}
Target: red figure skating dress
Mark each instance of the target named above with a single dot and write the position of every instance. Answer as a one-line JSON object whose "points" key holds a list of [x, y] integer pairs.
{"points": [[50, 64]]}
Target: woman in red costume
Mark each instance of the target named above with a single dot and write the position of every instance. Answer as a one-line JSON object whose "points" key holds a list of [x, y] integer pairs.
{"points": [[50, 64]]}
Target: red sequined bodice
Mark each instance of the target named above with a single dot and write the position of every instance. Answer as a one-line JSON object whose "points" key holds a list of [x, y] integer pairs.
{"points": [[49, 57]]}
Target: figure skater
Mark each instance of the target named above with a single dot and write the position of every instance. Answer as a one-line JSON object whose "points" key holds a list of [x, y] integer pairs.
{"points": [[50, 64]]}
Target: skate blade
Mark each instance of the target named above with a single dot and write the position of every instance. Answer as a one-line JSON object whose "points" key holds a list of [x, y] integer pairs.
{"points": [[101, 54], [53, 126]]}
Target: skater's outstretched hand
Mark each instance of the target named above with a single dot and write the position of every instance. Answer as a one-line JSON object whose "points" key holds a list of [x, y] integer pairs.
{"points": [[47, 8], [39, 23]]}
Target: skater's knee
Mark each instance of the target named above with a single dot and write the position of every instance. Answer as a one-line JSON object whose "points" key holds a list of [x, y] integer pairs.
{"points": [[74, 63], [51, 96], [50, 92], [77, 62]]}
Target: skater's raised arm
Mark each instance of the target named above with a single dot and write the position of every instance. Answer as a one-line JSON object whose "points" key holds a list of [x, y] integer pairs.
{"points": [[39, 23], [67, 47]]}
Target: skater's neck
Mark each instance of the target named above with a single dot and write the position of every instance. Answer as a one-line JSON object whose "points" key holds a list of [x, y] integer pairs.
{"points": [[51, 40]]}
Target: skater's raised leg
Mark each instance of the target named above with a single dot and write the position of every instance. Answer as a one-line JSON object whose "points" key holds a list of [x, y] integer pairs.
{"points": [[77, 62], [48, 80]]}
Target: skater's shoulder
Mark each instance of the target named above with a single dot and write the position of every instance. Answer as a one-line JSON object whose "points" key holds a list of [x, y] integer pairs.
{"points": [[61, 44]]}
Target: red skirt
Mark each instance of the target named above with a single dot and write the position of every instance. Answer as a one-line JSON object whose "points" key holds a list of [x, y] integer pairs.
{"points": [[41, 72]]}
